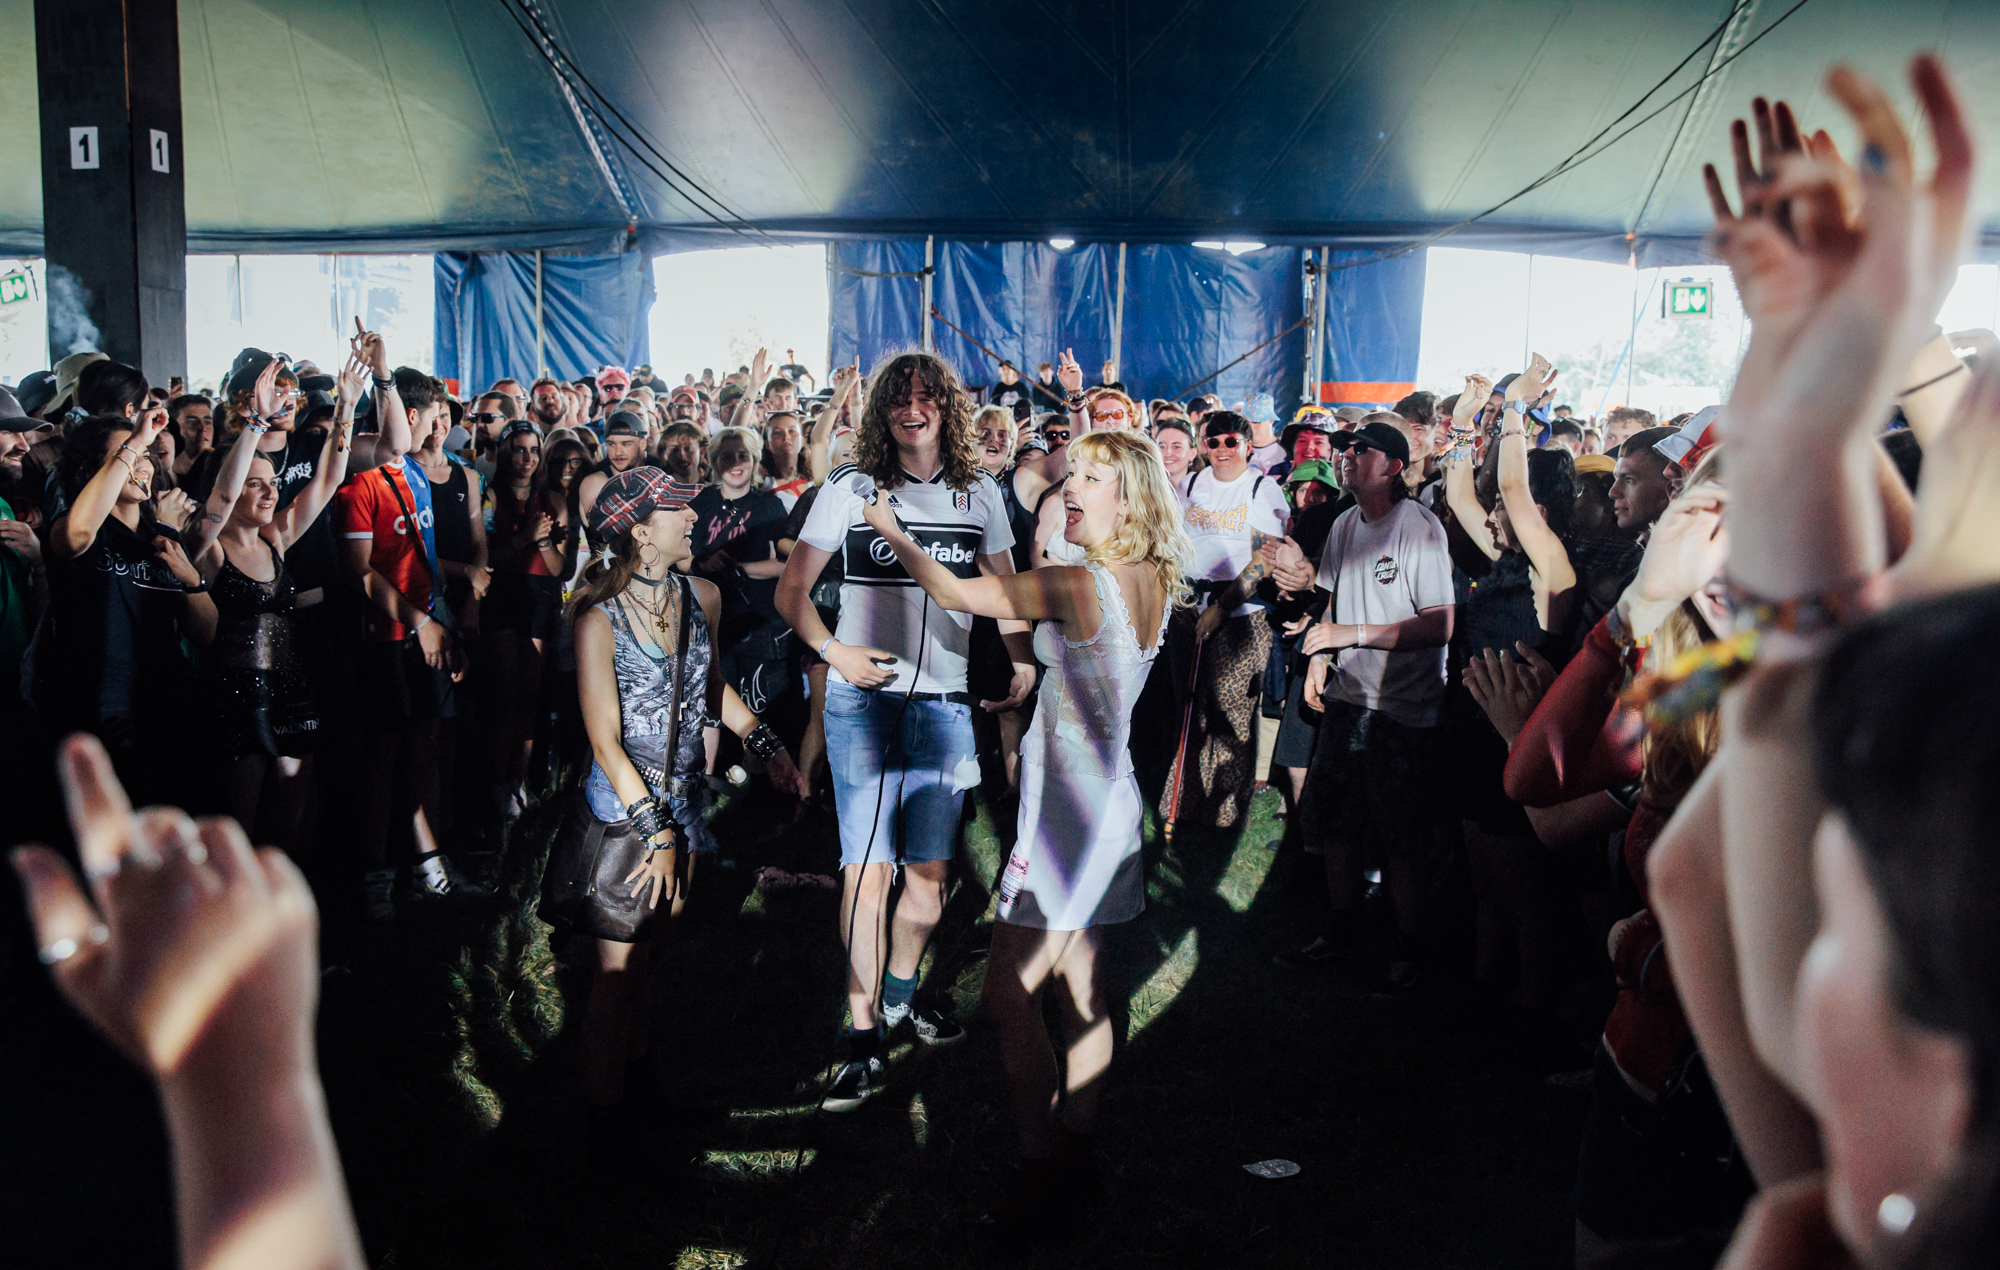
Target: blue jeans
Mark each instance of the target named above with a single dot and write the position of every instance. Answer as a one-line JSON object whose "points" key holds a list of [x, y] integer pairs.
{"points": [[897, 765]]}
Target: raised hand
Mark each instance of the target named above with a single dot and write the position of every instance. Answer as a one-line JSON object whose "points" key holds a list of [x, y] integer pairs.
{"points": [[352, 383], [372, 352], [174, 509], [186, 937], [1687, 547], [1068, 373], [151, 421], [266, 401], [760, 373], [1531, 383]]}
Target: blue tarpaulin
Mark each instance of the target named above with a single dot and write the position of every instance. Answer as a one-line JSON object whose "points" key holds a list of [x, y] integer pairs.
{"points": [[1191, 310], [1026, 302], [1187, 311], [1374, 317], [594, 313], [870, 316]]}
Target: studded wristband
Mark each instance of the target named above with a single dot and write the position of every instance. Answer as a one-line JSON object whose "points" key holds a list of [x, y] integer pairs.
{"points": [[762, 741]]}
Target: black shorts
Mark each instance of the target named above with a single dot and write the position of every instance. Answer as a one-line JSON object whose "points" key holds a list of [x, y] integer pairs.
{"points": [[1298, 729], [1375, 780], [527, 603], [398, 686]]}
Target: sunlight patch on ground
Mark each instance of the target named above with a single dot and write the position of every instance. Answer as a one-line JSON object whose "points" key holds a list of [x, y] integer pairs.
{"points": [[710, 1259], [757, 1164], [1159, 991], [1248, 867]]}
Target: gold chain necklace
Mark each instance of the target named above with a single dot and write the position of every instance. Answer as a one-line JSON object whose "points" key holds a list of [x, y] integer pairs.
{"points": [[665, 612]]}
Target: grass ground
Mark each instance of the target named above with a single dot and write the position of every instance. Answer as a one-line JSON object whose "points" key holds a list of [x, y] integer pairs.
{"points": [[451, 1059]]}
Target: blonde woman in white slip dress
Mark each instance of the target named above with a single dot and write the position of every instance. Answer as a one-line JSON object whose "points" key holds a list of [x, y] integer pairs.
{"points": [[1076, 864]]}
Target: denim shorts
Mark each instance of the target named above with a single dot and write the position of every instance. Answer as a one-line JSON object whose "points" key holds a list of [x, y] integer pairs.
{"points": [[912, 760]]}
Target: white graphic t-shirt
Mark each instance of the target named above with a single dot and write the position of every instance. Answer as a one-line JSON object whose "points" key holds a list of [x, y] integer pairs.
{"points": [[1383, 572], [1220, 517], [880, 605]]}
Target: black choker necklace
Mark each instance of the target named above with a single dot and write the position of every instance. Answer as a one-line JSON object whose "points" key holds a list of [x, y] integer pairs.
{"points": [[640, 577]]}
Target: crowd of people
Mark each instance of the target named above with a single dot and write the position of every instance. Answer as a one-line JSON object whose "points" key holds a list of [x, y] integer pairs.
{"points": [[1681, 719]]}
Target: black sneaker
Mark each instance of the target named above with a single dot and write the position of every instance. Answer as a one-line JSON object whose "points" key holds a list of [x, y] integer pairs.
{"points": [[1320, 952], [932, 1026], [856, 1084]]}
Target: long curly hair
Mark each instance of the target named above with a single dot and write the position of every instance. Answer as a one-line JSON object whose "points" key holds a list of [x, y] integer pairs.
{"points": [[1152, 533], [888, 388]]}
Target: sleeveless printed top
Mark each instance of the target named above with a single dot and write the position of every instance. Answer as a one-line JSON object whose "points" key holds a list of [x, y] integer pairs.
{"points": [[645, 705], [1083, 718]]}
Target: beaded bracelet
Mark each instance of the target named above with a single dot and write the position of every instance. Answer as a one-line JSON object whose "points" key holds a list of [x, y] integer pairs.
{"points": [[1801, 615]]}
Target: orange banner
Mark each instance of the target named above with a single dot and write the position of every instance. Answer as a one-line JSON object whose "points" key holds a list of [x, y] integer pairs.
{"points": [[1360, 392]]}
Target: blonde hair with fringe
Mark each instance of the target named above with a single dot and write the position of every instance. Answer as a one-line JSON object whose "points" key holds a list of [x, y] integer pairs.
{"points": [[1152, 532]]}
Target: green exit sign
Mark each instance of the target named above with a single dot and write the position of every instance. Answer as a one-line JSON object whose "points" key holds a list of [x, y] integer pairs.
{"points": [[13, 287], [1687, 299]]}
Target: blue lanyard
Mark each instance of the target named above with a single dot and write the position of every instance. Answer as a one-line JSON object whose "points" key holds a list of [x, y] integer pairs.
{"points": [[426, 519]]}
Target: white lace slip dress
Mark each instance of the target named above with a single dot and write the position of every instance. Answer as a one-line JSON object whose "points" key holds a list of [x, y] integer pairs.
{"points": [[1076, 859]]}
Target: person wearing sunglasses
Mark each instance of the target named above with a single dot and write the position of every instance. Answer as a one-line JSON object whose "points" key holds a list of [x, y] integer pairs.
{"points": [[1229, 509], [1112, 409]]}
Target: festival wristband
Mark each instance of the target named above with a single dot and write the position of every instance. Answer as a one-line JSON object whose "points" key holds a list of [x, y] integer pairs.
{"points": [[825, 644], [423, 620]]}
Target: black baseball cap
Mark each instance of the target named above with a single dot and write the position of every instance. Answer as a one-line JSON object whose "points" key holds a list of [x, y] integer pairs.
{"points": [[1379, 436], [623, 423], [36, 390]]}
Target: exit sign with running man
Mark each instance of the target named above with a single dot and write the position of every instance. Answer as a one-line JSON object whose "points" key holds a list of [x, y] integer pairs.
{"points": [[1687, 299]]}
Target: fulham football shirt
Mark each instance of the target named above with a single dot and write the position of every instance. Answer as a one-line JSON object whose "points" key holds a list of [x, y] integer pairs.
{"points": [[881, 606]]}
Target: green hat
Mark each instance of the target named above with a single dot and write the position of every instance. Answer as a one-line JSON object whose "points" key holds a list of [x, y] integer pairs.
{"points": [[1313, 470]]}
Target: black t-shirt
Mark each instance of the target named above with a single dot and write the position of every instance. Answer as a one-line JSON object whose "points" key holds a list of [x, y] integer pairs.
{"points": [[297, 463], [111, 645], [452, 528], [826, 587], [746, 528], [314, 559], [1007, 394]]}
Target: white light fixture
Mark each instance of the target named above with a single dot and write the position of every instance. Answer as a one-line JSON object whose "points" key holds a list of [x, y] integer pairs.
{"points": [[1062, 244], [1212, 245], [1234, 247]]}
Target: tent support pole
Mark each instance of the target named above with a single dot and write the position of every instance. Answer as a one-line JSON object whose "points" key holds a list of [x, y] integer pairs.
{"points": [[930, 341], [1315, 373], [1118, 317], [1528, 315], [541, 363]]}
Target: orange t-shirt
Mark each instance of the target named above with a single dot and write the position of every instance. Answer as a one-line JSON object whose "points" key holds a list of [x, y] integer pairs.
{"points": [[369, 509]]}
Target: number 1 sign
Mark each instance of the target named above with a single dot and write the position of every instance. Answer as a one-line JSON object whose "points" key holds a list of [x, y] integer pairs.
{"points": [[83, 150]]}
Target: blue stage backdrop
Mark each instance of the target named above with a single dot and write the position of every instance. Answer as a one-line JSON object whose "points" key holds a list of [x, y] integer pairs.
{"points": [[594, 313]]}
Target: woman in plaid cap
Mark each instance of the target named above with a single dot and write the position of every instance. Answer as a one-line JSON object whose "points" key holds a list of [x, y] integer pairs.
{"points": [[628, 621]]}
